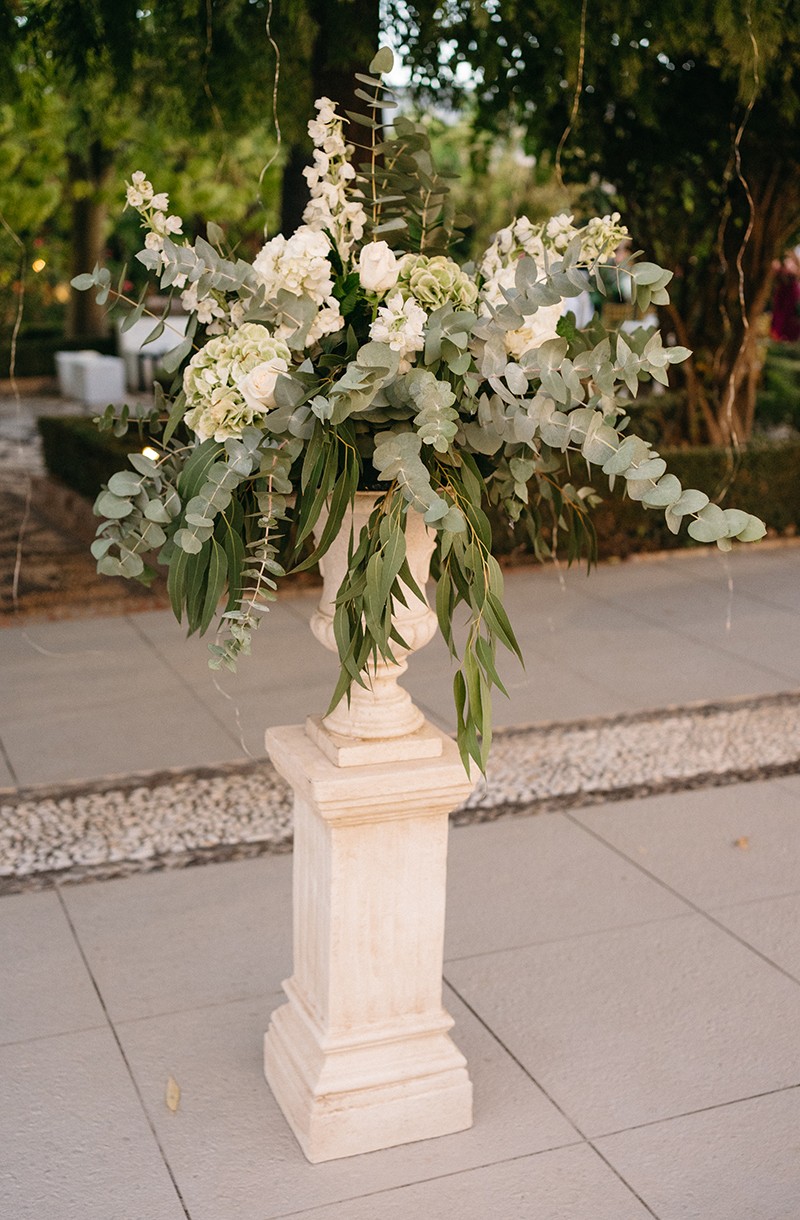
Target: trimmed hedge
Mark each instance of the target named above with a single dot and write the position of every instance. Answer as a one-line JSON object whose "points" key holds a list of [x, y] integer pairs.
{"points": [[81, 456], [778, 401], [767, 483]]}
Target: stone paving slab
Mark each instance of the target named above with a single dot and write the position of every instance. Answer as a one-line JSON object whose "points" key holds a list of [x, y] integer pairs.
{"points": [[635, 1025], [76, 1143], [730, 1163]]}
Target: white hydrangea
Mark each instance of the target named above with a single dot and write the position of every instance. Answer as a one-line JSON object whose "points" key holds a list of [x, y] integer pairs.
{"points": [[401, 324], [334, 205], [327, 322], [230, 382], [298, 263]]}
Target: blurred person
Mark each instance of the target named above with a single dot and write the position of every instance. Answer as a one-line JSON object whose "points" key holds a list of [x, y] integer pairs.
{"points": [[785, 325]]}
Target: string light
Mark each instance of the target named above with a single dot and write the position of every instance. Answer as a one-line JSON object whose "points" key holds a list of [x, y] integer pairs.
{"points": [[38, 265]]}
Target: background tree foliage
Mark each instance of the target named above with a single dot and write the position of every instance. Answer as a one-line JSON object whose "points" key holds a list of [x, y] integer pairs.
{"points": [[88, 87], [113, 86], [667, 85]]}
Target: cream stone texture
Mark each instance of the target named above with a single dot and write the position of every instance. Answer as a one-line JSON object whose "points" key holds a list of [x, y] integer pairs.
{"points": [[360, 1057]]}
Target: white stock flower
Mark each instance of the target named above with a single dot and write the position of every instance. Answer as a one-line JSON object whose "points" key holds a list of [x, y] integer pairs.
{"points": [[207, 308], [164, 225], [134, 197], [334, 206], [141, 184], [378, 267], [160, 201], [601, 236], [401, 325], [559, 231]]}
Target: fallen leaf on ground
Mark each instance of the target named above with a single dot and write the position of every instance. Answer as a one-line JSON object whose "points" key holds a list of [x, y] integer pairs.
{"points": [[173, 1095]]}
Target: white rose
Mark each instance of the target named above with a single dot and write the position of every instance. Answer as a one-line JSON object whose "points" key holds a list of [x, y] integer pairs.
{"points": [[258, 387], [377, 267]]}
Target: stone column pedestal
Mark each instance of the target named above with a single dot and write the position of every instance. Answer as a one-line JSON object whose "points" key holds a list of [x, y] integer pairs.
{"points": [[360, 1057]]}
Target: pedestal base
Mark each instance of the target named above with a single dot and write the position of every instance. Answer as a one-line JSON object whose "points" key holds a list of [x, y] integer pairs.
{"points": [[346, 1100], [360, 1058], [426, 742]]}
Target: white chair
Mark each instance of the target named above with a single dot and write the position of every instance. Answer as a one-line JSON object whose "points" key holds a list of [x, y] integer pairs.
{"points": [[142, 360]]}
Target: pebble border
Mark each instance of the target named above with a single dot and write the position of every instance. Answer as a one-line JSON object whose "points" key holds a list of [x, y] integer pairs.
{"points": [[125, 824]]}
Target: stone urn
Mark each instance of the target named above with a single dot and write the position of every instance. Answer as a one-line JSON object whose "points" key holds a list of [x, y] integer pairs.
{"points": [[380, 714]]}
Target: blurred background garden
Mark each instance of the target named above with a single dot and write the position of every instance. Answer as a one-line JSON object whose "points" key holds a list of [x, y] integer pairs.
{"points": [[682, 116]]}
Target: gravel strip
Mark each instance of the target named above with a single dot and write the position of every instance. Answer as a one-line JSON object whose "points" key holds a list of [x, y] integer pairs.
{"points": [[170, 819]]}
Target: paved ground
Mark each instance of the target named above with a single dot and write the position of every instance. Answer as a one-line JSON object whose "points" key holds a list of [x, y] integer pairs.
{"points": [[625, 978], [625, 982], [101, 696]]}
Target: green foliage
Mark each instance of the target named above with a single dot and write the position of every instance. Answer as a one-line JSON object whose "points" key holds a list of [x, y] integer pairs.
{"points": [[764, 479], [778, 401], [408, 201], [665, 88]]}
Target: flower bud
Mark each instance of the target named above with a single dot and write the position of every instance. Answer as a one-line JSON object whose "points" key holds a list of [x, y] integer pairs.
{"points": [[377, 267]]}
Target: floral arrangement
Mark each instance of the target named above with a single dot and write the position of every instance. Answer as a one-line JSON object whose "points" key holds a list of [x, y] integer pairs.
{"points": [[358, 354]]}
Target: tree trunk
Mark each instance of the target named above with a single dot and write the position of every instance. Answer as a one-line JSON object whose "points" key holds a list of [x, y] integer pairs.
{"points": [[346, 40], [294, 189], [85, 318], [87, 176]]}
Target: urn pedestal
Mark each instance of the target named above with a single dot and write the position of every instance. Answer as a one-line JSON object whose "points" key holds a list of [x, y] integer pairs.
{"points": [[360, 1057]]}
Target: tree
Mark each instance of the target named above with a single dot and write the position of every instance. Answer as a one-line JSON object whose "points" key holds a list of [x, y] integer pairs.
{"points": [[690, 109], [191, 73], [323, 43]]}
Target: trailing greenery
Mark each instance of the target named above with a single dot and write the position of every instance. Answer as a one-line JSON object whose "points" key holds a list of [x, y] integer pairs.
{"points": [[765, 480], [762, 476]]}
